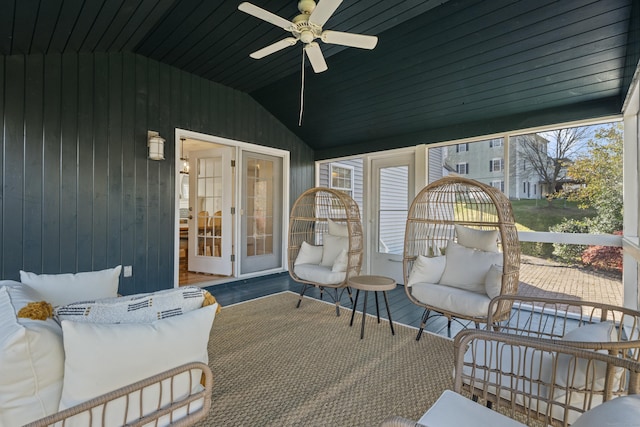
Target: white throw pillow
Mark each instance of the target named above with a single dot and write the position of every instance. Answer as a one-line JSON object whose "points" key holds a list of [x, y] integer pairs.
{"points": [[570, 371], [308, 254], [341, 262], [104, 357], [493, 281], [31, 361], [138, 308], [485, 240], [467, 268], [332, 246], [427, 270], [62, 289], [338, 229]]}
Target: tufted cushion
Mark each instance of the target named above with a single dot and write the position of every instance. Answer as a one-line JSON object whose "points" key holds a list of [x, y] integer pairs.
{"points": [[62, 289], [31, 360]]}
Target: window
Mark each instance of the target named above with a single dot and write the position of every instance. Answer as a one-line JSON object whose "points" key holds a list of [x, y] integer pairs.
{"points": [[341, 178], [498, 184], [462, 168], [496, 143], [460, 148], [496, 165]]}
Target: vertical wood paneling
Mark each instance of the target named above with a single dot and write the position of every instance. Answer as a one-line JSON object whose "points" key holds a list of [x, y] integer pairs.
{"points": [[13, 169], [78, 192], [33, 167], [2, 144], [51, 163]]}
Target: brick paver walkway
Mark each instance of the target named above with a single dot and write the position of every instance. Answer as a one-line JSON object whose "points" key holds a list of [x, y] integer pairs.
{"points": [[539, 277]]}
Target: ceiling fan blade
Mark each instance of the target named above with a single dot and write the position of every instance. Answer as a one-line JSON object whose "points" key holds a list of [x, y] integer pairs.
{"points": [[349, 39], [323, 11], [272, 48], [265, 15], [315, 57]]}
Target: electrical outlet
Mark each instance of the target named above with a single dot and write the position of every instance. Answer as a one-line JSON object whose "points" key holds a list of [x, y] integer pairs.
{"points": [[128, 271]]}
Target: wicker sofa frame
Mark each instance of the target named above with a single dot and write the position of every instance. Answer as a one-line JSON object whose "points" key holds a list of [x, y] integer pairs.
{"points": [[196, 406], [308, 222], [431, 222]]}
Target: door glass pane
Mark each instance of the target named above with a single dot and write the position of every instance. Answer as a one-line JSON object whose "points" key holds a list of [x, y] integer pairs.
{"points": [[394, 202], [260, 177], [209, 207]]}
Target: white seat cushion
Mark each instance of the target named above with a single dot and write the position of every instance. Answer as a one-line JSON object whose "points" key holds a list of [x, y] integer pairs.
{"points": [[621, 411], [452, 299], [319, 274], [31, 360]]}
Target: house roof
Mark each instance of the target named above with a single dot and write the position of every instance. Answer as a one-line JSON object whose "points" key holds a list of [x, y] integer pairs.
{"points": [[441, 69]]}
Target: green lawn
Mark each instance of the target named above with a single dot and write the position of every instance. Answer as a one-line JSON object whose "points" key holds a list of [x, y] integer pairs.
{"points": [[538, 215]]}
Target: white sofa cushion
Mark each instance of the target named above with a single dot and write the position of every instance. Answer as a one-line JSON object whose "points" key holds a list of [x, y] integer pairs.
{"points": [[308, 254], [341, 262], [319, 274], [621, 411], [338, 229], [467, 268], [493, 281], [62, 289], [426, 270], [104, 357], [452, 299], [31, 360], [332, 246], [139, 308], [484, 240]]}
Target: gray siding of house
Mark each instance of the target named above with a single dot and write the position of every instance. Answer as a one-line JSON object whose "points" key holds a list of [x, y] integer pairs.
{"points": [[77, 192]]}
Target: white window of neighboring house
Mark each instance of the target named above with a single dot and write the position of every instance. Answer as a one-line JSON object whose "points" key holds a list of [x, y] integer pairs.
{"points": [[496, 143], [496, 165], [341, 178], [462, 168], [460, 148], [498, 184]]}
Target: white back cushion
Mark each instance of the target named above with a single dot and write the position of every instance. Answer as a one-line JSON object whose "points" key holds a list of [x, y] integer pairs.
{"points": [[332, 246], [62, 289], [467, 268], [485, 240], [104, 357], [338, 229], [308, 254], [31, 361], [426, 270]]}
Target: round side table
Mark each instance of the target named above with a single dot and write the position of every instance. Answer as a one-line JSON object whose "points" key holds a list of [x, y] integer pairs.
{"points": [[375, 284]]}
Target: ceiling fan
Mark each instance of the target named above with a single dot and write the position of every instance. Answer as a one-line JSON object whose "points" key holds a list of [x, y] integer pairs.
{"points": [[307, 27]]}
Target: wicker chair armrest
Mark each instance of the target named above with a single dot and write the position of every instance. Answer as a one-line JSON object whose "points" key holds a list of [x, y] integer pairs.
{"points": [[196, 405], [529, 375]]}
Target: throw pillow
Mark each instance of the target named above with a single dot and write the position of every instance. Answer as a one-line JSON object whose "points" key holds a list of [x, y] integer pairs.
{"points": [[485, 240], [621, 411], [139, 308], [467, 268], [338, 229], [332, 246], [493, 281], [308, 254], [579, 372], [62, 289], [31, 361], [104, 357], [341, 262], [427, 270]]}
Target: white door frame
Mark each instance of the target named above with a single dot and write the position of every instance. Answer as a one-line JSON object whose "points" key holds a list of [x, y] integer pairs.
{"points": [[240, 147]]}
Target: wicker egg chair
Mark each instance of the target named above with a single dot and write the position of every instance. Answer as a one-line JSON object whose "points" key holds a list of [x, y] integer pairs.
{"points": [[309, 221], [431, 223]]}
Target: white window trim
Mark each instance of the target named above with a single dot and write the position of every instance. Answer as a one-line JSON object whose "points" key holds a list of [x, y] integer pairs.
{"points": [[343, 166]]}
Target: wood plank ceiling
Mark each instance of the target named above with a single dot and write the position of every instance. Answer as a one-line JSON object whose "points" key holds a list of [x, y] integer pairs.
{"points": [[441, 69]]}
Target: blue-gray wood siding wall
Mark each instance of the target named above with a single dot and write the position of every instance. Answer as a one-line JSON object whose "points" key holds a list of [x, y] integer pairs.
{"points": [[77, 192]]}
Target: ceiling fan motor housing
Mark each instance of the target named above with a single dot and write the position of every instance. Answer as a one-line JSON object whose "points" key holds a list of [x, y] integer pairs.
{"points": [[305, 30]]}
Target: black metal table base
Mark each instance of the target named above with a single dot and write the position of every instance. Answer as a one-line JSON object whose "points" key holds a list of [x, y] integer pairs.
{"points": [[364, 310]]}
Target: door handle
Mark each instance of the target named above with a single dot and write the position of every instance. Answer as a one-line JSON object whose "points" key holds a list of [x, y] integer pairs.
{"points": [[190, 217]]}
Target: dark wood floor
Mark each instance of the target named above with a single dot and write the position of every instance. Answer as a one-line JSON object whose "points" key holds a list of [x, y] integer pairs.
{"points": [[402, 310]]}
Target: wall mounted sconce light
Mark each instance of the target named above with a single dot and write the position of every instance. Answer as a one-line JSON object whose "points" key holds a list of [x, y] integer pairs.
{"points": [[156, 145], [185, 160]]}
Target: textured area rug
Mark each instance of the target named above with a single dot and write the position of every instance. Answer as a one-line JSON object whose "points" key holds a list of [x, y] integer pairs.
{"points": [[275, 365]]}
